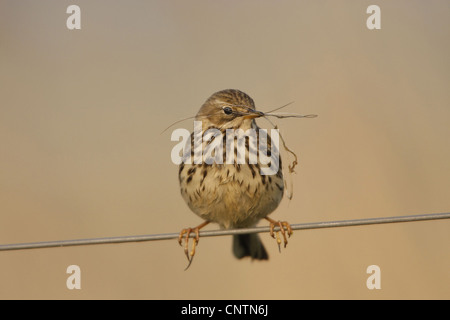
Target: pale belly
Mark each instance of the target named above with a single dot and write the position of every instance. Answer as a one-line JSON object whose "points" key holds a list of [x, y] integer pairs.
{"points": [[234, 196]]}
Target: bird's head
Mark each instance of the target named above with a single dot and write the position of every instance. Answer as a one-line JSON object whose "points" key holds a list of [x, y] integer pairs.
{"points": [[228, 109]]}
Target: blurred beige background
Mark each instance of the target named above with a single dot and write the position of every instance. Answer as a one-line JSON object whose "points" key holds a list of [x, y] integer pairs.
{"points": [[82, 154]]}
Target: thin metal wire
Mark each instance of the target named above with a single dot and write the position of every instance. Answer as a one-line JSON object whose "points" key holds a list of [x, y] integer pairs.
{"points": [[212, 233]]}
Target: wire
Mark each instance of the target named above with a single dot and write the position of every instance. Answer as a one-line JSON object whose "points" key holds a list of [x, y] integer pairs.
{"points": [[167, 236]]}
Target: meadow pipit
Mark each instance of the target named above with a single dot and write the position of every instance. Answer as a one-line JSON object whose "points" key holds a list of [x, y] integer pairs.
{"points": [[236, 194]]}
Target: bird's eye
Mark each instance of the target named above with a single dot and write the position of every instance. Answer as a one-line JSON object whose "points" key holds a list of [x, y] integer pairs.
{"points": [[228, 110]]}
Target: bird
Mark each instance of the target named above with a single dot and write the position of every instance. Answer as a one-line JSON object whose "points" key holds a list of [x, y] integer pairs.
{"points": [[233, 194]]}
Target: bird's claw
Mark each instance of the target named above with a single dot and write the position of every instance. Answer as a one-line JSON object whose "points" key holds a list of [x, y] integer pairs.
{"points": [[187, 233], [285, 229]]}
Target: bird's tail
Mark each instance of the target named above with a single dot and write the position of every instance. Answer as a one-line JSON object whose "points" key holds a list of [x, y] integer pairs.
{"points": [[249, 245]]}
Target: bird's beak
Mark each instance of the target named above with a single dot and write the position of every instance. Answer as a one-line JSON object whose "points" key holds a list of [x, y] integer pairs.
{"points": [[251, 114]]}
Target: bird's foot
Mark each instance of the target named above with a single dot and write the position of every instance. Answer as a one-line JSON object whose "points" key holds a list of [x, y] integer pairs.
{"points": [[187, 233], [285, 229]]}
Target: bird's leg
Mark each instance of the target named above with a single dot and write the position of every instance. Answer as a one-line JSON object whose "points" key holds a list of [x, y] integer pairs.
{"points": [[187, 232], [285, 228]]}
